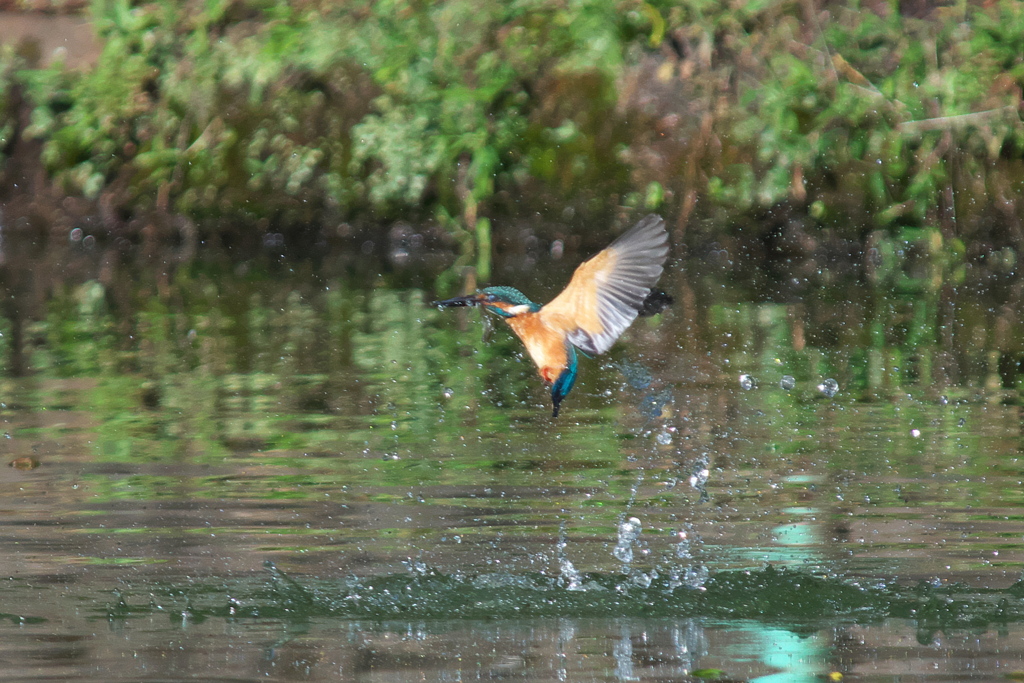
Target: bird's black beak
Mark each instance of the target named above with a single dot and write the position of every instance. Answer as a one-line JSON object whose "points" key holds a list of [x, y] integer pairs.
{"points": [[469, 300]]}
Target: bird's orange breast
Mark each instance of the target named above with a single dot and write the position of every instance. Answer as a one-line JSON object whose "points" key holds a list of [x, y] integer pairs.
{"points": [[545, 344]]}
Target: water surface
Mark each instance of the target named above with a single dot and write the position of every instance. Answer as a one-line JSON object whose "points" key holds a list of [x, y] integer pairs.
{"points": [[256, 467]]}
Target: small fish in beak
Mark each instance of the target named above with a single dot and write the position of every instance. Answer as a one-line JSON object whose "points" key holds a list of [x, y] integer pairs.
{"points": [[469, 300]]}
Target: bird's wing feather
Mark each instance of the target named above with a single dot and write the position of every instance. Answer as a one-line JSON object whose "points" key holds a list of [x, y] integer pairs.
{"points": [[606, 291]]}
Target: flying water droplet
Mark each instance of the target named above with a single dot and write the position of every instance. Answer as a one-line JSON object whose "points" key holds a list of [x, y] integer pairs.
{"points": [[699, 474], [683, 547], [915, 433], [448, 392], [629, 531], [787, 383], [699, 477], [943, 400], [829, 387], [747, 382]]}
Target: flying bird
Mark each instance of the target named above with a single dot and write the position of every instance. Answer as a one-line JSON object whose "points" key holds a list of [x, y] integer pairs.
{"points": [[604, 297]]}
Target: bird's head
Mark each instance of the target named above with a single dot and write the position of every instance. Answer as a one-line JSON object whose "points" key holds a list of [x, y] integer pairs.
{"points": [[508, 302]]}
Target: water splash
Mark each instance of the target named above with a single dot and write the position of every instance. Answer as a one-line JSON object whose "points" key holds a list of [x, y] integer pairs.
{"points": [[417, 567], [629, 532], [636, 374], [569, 577], [643, 579], [696, 578], [652, 405]]}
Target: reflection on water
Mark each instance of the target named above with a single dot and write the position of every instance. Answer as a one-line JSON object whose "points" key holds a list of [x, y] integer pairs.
{"points": [[172, 428]]}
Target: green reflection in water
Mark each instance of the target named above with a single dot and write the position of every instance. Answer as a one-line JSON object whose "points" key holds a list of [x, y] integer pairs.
{"points": [[799, 658], [189, 427], [361, 412]]}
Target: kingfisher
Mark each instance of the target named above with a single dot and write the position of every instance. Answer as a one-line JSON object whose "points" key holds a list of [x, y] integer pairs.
{"points": [[604, 296]]}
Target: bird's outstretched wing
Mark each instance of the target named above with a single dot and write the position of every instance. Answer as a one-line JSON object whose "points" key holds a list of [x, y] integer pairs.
{"points": [[606, 291]]}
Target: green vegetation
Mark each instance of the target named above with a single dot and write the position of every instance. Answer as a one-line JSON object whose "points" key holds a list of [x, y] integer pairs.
{"points": [[305, 112], [905, 120], [319, 112]]}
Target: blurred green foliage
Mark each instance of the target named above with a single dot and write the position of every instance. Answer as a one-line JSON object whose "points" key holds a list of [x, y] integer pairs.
{"points": [[857, 113], [315, 111], [8, 113], [294, 111], [309, 373]]}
